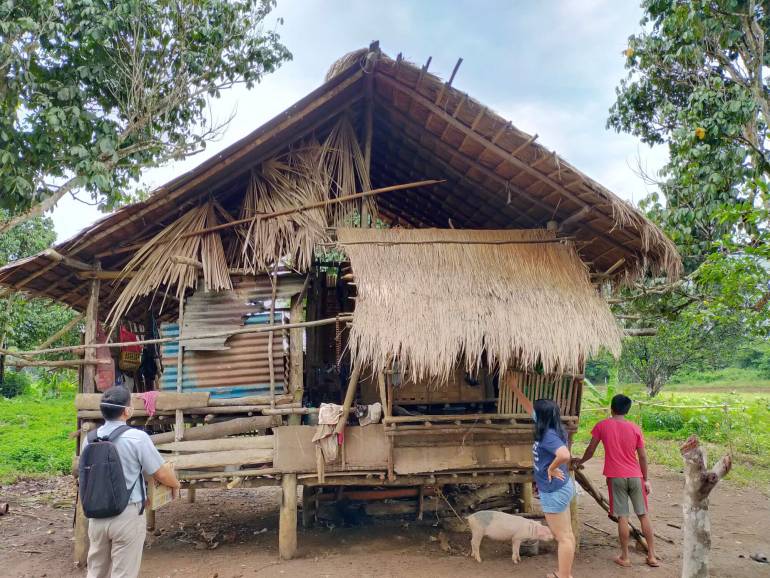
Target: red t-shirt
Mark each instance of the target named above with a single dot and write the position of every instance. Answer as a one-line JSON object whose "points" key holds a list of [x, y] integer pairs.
{"points": [[621, 438]]}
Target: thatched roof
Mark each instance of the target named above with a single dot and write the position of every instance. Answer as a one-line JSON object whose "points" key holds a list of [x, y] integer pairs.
{"points": [[496, 177], [517, 298]]}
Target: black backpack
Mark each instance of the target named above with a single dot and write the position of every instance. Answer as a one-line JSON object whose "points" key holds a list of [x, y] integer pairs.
{"points": [[103, 492]]}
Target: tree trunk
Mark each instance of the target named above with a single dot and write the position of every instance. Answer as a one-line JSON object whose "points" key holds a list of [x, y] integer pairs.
{"points": [[697, 528]]}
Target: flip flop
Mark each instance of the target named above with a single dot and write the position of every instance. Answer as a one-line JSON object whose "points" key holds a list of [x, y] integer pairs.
{"points": [[655, 564], [621, 564], [552, 575], [761, 558]]}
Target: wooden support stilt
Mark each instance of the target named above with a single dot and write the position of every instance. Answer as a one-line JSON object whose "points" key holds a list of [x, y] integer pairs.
{"points": [[150, 519], [191, 495], [420, 502], [308, 505], [81, 522], [527, 497], [287, 525]]}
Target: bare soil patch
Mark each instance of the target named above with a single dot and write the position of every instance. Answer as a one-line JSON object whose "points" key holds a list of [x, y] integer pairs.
{"points": [[233, 533]]}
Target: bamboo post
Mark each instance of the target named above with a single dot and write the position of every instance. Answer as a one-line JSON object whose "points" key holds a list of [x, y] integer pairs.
{"points": [[296, 355], [527, 497], [287, 524], [308, 504], [368, 135], [179, 425], [88, 384], [270, 364]]}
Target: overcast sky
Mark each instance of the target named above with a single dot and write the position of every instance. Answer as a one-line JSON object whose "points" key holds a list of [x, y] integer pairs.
{"points": [[551, 67]]}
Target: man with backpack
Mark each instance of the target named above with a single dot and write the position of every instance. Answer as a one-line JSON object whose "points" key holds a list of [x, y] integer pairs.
{"points": [[112, 490]]}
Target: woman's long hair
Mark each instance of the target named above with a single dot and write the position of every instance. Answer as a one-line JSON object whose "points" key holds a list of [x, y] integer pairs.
{"points": [[548, 416]]}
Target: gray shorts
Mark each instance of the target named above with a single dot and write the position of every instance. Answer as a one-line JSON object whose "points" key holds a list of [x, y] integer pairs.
{"points": [[624, 489]]}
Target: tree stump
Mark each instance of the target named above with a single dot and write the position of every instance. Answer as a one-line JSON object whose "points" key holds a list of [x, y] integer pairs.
{"points": [[697, 528]]}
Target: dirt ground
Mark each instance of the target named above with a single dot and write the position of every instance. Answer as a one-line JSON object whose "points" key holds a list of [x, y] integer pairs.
{"points": [[228, 534]]}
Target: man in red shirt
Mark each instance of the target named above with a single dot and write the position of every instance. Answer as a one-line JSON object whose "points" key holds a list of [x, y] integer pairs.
{"points": [[626, 476]]}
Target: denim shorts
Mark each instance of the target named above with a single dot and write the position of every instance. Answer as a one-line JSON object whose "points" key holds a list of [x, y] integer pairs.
{"points": [[558, 501]]}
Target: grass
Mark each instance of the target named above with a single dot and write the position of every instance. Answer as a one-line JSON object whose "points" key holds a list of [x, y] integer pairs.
{"points": [[728, 379], [34, 436]]}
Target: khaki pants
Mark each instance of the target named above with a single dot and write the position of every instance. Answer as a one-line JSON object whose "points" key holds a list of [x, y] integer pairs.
{"points": [[116, 544]]}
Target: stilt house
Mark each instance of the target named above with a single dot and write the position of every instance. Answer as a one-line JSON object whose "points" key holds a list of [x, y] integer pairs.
{"points": [[267, 286]]}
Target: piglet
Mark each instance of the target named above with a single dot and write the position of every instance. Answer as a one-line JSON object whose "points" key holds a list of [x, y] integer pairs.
{"points": [[501, 526]]}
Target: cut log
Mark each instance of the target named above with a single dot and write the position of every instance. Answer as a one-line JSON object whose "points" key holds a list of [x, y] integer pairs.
{"points": [[222, 429], [697, 526], [219, 445], [218, 459], [166, 401]]}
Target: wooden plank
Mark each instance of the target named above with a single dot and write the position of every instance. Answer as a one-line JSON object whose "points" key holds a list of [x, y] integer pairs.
{"points": [[224, 444], [218, 459], [365, 447], [418, 460]]}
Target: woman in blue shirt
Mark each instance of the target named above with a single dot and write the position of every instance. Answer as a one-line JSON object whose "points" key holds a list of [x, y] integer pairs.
{"points": [[550, 458]]}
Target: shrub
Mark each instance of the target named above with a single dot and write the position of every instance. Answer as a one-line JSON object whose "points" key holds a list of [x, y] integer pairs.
{"points": [[14, 383]]}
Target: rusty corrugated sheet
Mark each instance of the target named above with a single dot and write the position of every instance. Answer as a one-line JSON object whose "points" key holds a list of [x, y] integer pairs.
{"points": [[241, 366]]}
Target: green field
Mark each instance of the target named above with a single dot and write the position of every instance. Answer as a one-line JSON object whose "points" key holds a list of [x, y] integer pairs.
{"points": [[34, 436], [737, 422], [34, 431]]}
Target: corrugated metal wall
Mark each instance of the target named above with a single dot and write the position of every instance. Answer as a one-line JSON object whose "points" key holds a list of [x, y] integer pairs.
{"points": [[243, 368]]}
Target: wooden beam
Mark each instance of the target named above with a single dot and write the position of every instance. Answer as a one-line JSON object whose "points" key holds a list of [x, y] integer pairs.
{"points": [[70, 262]]}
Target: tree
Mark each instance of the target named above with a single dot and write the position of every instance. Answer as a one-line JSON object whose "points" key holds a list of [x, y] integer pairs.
{"points": [[679, 345], [697, 83], [92, 92], [26, 322]]}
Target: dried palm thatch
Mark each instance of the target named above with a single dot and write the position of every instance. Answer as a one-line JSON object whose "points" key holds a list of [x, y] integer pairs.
{"points": [[165, 261], [431, 297], [310, 173]]}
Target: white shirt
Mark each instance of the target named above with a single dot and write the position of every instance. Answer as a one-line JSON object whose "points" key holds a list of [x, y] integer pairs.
{"points": [[137, 454]]}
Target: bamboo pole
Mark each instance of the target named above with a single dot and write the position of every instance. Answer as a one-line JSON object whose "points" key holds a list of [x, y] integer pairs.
{"points": [[349, 395], [92, 313], [318, 205], [179, 426], [240, 331], [61, 333]]}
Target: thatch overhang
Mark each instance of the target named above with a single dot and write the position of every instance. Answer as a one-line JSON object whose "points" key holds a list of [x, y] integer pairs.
{"points": [[512, 298], [497, 177]]}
